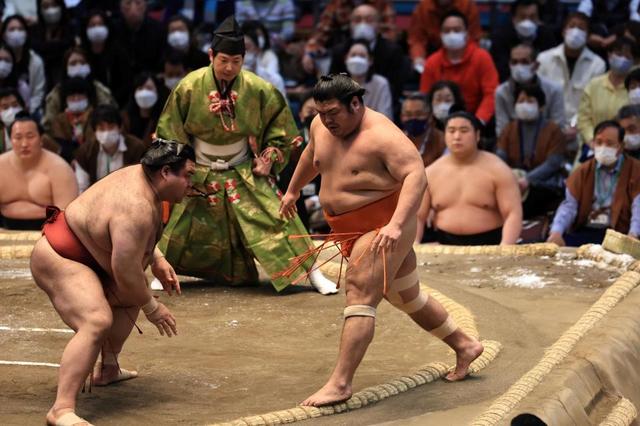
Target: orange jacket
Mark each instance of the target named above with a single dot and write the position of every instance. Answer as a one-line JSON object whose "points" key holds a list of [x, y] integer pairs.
{"points": [[476, 75]]}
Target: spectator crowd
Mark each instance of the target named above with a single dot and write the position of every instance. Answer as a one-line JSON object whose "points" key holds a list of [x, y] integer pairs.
{"points": [[550, 92]]}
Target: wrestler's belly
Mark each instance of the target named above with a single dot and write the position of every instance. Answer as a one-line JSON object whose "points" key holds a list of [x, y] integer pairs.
{"points": [[467, 220], [22, 210], [337, 202]]}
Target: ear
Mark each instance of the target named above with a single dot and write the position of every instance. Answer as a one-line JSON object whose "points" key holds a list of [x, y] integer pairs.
{"points": [[355, 103], [164, 172], [211, 55]]}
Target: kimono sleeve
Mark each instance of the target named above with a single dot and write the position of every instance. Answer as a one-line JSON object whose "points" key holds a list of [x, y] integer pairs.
{"points": [[173, 116]]}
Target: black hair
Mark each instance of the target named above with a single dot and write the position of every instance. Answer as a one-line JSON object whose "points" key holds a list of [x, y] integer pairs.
{"points": [[578, 15], [175, 57], [620, 43], [477, 125], [12, 91], [532, 90], [607, 124], [77, 85], [23, 65], [24, 116], [250, 29], [628, 111], [523, 3], [442, 84], [532, 49], [164, 152], [64, 18], [456, 14], [337, 86], [634, 75], [105, 113], [182, 19], [417, 96]]}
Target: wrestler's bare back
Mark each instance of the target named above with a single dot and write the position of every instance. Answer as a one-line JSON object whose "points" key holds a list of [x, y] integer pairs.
{"points": [[123, 196], [464, 197], [353, 171], [24, 193]]}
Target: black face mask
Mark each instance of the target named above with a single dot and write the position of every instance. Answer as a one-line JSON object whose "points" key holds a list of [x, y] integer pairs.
{"points": [[307, 121], [415, 126]]}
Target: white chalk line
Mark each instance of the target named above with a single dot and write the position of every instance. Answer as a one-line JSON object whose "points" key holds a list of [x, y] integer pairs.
{"points": [[30, 364], [36, 329]]}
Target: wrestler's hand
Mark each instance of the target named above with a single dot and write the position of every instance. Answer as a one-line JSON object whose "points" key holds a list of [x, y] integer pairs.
{"points": [[288, 207], [164, 320], [261, 167], [165, 273], [387, 238]]}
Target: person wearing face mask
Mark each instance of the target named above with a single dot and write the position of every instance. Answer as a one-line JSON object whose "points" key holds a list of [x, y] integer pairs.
{"points": [[534, 148], [251, 64], [415, 117], [525, 27], [359, 65], [52, 35], [8, 77], [112, 148], [424, 28], [140, 116], [571, 64], [70, 128], [11, 104], [523, 68], [107, 59], [77, 66], [444, 98], [28, 65], [632, 84], [266, 58], [629, 119], [605, 95], [279, 17], [462, 61], [174, 69], [603, 192], [179, 39], [389, 60]]}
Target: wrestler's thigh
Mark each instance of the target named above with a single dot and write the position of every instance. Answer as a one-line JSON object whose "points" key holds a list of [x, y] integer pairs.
{"points": [[365, 273], [74, 289]]}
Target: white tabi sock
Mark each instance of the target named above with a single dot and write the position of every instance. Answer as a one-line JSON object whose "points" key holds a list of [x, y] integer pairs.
{"points": [[156, 284], [321, 283]]}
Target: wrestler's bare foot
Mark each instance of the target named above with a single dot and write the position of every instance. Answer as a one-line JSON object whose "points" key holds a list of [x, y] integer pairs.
{"points": [[55, 414], [465, 355], [329, 394], [106, 374]]}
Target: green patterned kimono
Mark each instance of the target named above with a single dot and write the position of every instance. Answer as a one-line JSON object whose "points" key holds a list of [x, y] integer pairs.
{"points": [[218, 236]]}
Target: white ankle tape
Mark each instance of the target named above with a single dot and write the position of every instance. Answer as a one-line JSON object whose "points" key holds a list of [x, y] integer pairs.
{"points": [[359, 311], [445, 329]]}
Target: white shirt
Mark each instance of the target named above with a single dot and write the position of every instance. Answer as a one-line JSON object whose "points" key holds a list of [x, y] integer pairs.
{"points": [[377, 95], [553, 66], [106, 164]]}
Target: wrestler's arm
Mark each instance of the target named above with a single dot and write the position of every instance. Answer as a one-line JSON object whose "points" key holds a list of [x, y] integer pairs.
{"points": [[509, 203], [423, 213], [304, 173], [64, 186]]}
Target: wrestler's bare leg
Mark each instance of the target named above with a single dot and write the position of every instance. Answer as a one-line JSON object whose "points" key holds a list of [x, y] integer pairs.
{"points": [[364, 286], [76, 294], [432, 315], [109, 370]]}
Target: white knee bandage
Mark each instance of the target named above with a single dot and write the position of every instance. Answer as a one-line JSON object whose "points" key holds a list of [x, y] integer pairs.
{"points": [[445, 329], [359, 311], [405, 283]]}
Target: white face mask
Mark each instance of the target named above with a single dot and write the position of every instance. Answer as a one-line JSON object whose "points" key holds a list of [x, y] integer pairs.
{"points": [[97, 34], [79, 70], [605, 155], [250, 61], [527, 111], [146, 98], [5, 68], [522, 73], [178, 39], [261, 42], [441, 110], [357, 65], [527, 28], [632, 141], [454, 40], [15, 38], [575, 38], [52, 15], [78, 106], [620, 64], [363, 30], [108, 138], [8, 116], [634, 95], [171, 82]]}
